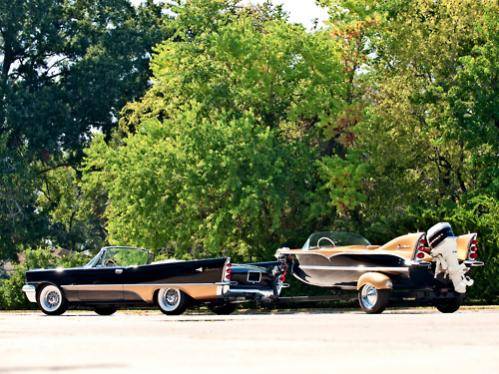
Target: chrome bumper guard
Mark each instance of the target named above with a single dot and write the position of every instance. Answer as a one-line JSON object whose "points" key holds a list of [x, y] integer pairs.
{"points": [[30, 292], [473, 263], [222, 288]]}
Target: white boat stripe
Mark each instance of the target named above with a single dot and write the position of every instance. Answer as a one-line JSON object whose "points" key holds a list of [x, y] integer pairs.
{"points": [[359, 268]]}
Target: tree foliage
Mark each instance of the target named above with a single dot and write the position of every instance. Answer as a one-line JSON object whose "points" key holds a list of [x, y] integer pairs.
{"points": [[203, 186], [75, 214], [218, 156], [253, 131], [426, 148], [66, 68], [19, 221], [247, 60], [427, 124]]}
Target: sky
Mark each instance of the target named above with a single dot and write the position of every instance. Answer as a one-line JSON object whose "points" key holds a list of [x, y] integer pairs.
{"points": [[300, 11]]}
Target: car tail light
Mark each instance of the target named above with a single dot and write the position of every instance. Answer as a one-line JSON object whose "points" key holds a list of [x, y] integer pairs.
{"points": [[422, 248], [282, 277], [228, 271], [473, 252], [420, 254]]}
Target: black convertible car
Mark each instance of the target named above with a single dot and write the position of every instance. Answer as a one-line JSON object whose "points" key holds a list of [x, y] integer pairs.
{"points": [[126, 276]]}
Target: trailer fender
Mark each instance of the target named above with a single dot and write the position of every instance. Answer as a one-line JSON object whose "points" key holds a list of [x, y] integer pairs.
{"points": [[378, 280]]}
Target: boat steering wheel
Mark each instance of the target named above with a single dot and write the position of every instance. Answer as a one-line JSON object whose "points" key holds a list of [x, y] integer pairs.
{"points": [[325, 238]]}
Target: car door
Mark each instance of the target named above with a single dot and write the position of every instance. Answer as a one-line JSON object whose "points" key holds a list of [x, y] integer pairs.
{"points": [[101, 284]]}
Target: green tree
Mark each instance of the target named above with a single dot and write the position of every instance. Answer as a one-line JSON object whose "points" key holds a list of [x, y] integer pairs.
{"points": [[201, 186], [426, 147], [75, 215], [432, 115], [19, 221], [251, 59], [218, 156], [66, 68]]}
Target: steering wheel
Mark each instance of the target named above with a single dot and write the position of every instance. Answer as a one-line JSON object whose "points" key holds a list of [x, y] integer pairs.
{"points": [[325, 238], [110, 262]]}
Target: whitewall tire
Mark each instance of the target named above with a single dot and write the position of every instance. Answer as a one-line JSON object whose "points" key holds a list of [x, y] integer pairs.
{"points": [[51, 300], [172, 301]]}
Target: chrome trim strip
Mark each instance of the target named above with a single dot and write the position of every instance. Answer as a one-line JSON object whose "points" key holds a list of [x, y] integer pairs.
{"points": [[30, 292], [359, 268], [367, 252], [75, 286]]}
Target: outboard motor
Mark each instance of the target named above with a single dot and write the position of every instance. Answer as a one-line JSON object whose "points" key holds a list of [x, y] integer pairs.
{"points": [[444, 250]]}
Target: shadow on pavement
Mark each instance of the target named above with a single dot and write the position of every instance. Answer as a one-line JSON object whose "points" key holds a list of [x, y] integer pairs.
{"points": [[63, 368]]}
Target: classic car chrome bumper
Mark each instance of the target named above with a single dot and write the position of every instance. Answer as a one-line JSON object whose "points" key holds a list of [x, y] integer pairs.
{"points": [[30, 292], [470, 263]]}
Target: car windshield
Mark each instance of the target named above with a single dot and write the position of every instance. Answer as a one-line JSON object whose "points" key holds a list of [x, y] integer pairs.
{"points": [[119, 256], [334, 239]]}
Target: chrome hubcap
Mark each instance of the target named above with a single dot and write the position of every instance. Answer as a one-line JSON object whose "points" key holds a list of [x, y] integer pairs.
{"points": [[369, 296], [169, 299], [53, 298]]}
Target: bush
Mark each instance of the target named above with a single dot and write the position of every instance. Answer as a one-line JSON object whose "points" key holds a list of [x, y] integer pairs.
{"points": [[11, 295]]}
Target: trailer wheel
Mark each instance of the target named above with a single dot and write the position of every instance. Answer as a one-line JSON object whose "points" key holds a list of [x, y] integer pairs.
{"points": [[373, 300], [449, 305], [105, 310]]}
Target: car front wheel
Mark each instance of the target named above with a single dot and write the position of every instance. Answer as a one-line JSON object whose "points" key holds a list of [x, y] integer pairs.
{"points": [[172, 301], [373, 300], [51, 300]]}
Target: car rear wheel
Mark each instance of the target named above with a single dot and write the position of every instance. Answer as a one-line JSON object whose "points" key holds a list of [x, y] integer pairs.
{"points": [[373, 300], [172, 301], [222, 309], [449, 305], [105, 311], [51, 300]]}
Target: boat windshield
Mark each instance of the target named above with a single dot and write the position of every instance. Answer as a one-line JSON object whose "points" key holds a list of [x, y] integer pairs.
{"points": [[334, 239], [119, 256]]}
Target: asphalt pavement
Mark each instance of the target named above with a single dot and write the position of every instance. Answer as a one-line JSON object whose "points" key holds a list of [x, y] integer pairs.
{"points": [[418, 340]]}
